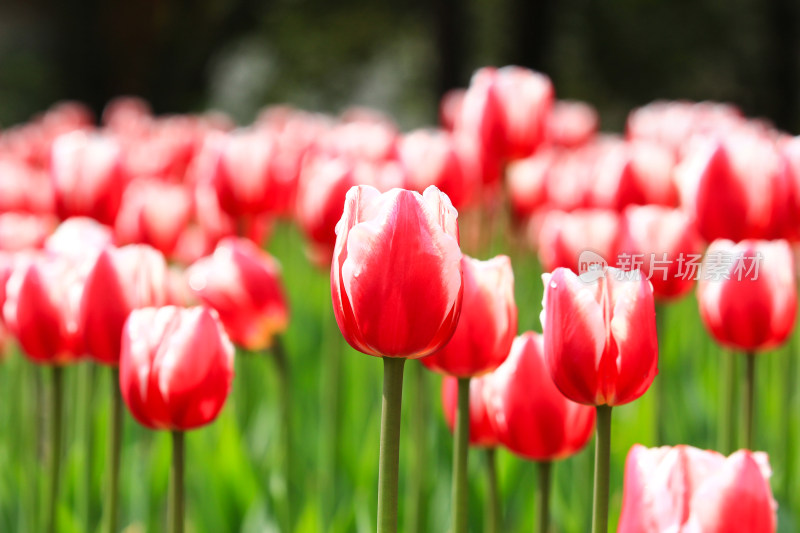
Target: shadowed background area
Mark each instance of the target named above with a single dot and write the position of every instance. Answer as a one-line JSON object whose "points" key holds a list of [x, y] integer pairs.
{"points": [[239, 55]]}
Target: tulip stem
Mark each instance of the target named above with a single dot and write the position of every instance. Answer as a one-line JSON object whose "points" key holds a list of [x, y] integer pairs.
{"points": [[660, 399], [749, 399], [421, 411], [728, 429], [390, 444], [56, 401], [602, 453], [543, 496], [115, 450], [282, 366], [494, 514], [176, 486], [460, 454]]}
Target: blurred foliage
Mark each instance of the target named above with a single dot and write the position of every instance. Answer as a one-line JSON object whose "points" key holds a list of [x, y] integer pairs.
{"points": [[240, 55]]}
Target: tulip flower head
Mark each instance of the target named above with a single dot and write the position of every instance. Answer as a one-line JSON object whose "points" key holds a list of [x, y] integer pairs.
{"points": [[176, 367], [684, 489], [121, 280], [529, 414], [488, 320], [243, 284], [396, 280], [600, 336], [748, 294]]}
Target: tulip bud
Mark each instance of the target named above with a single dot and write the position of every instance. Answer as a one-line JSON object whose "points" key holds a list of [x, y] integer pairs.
{"points": [[396, 272], [529, 415], [488, 320], [687, 489], [243, 284], [747, 293], [121, 280], [41, 308], [176, 367], [600, 336]]}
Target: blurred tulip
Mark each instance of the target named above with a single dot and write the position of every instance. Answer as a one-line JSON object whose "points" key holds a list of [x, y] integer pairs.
{"points": [[481, 432], [684, 489], [88, 176], [562, 237], [243, 284], [529, 415], [79, 238], [396, 278], [600, 336], [24, 188], [450, 108], [738, 188], [153, 212], [488, 320], [41, 309], [748, 294], [121, 280], [176, 367], [434, 157], [571, 123], [527, 182], [663, 243], [24, 231]]}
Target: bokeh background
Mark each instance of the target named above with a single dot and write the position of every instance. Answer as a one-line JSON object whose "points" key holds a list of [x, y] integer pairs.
{"points": [[238, 56]]}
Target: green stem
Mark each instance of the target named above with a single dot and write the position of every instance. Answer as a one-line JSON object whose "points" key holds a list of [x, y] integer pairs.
{"points": [[331, 382], [115, 448], [176, 486], [601, 468], [749, 399], [390, 444], [89, 373], [543, 497], [57, 400], [728, 399], [494, 514], [788, 418], [282, 367], [660, 399], [419, 422], [460, 454]]}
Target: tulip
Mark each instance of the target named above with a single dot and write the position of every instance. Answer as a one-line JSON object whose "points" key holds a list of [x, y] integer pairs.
{"points": [[488, 320], [396, 286], [242, 179], [175, 373], [153, 212], [571, 123], [738, 188], [531, 417], [80, 239], [748, 300], [563, 237], [24, 188], [24, 231], [41, 311], [664, 244], [601, 349], [88, 176], [687, 489], [527, 182]]}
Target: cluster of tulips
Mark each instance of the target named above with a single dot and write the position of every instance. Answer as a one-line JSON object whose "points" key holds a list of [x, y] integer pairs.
{"points": [[139, 243]]}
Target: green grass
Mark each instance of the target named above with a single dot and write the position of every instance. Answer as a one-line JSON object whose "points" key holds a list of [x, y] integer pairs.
{"points": [[235, 477]]}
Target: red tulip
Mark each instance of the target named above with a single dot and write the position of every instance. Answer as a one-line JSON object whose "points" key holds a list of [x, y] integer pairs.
{"points": [[529, 415], [243, 284], [738, 188], [684, 489], [488, 320], [396, 272], [87, 175], [24, 231], [562, 237], [748, 294], [41, 308], [434, 157], [571, 123], [664, 244], [24, 188], [481, 432], [79, 238], [176, 367], [600, 336], [121, 280], [527, 181], [154, 212]]}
